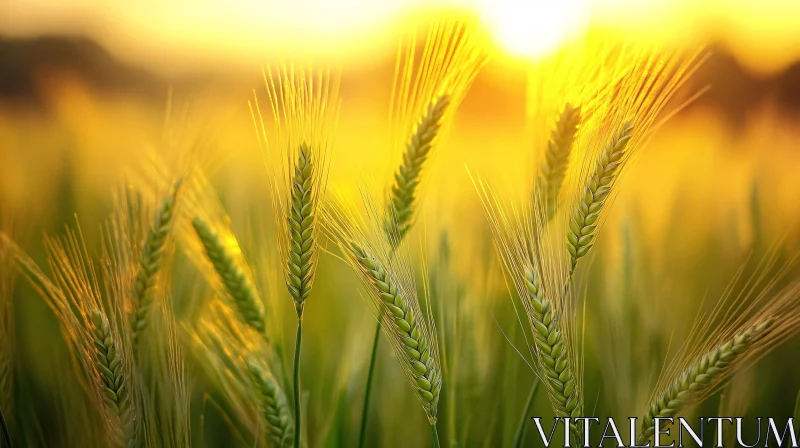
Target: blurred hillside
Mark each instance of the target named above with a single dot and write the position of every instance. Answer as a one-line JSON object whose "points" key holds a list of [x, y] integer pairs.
{"points": [[31, 67]]}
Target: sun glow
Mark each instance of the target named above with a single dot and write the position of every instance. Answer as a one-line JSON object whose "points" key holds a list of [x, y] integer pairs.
{"points": [[532, 29], [185, 35]]}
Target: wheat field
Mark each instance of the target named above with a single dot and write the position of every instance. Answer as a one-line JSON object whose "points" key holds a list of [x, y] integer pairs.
{"points": [[427, 251]]}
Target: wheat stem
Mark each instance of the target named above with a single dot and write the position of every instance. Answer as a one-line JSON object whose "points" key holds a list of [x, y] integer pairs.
{"points": [[399, 218], [520, 434], [370, 373], [554, 360], [296, 380], [302, 246], [6, 434], [700, 377], [273, 405], [150, 263], [583, 225], [6, 380], [109, 367], [435, 435], [250, 309], [556, 158]]}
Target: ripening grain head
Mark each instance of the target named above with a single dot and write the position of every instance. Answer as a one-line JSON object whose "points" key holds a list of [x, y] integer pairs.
{"points": [[637, 100], [247, 371], [753, 317], [627, 91], [96, 332], [305, 107], [388, 277], [272, 403], [531, 265], [137, 246], [233, 277], [137, 276], [427, 91], [206, 237], [566, 92], [589, 135], [152, 259]]}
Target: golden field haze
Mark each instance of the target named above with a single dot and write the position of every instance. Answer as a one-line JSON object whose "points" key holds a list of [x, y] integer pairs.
{"points": [[714, 183]]}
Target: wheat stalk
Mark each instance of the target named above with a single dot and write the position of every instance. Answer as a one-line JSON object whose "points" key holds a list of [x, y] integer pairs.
{"points": [[7, 283], [401, 207], [556, 158], [530, 255], [554, 360], [136, 266], [425, 95], [583, 225], [387, 274], [701, 376], [305, 106], [403, 197], [229, 331], [166, 407], [238, 286], [94, 326], [150, 262], [100, 345], [109, 370], [167, 413], [536, 263], [274, 407]]}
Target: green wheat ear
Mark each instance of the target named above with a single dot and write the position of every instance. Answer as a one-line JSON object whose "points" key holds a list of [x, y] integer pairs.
{"points": [[301, 229], [583, 225], [554, 361], [399, 218], [556, 158], [698, 378], [416, 357], [109, 367], [273, 405], [250, 309], [150, 262]]}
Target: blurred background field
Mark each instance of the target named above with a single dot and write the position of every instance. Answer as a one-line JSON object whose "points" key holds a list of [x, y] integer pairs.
{"points": [[85, 87]]}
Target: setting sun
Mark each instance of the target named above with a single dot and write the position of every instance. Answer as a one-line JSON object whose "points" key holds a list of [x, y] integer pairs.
{"points": [[536, 29]]}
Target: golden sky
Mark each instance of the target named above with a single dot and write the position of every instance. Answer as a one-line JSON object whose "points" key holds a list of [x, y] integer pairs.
{"points": [[181, 35]]}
